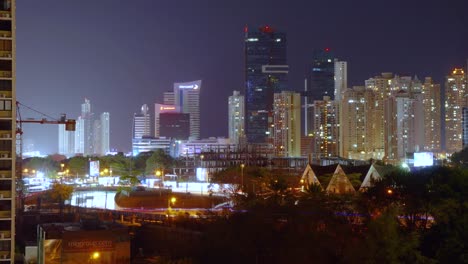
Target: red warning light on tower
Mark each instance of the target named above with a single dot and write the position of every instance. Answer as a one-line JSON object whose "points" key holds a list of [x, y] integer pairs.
{"points": [[327, 49], [267, 29]]}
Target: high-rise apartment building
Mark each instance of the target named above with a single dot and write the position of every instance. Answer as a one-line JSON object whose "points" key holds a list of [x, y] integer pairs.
{"points": [[87, 119], [403, 126], [236, 117], [356, 124], [7, 129], [326, 128], [380, 85], [432, 115], [91, 137], [104, 134], [66, 141], [266, 71], [79, 136], [187, 97], [455, 100], [465, 126], [287, 124], [341, 78], [141, 123]]}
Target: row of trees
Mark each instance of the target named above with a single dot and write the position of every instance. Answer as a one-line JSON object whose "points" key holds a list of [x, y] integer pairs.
{"points": [[145, 163]]}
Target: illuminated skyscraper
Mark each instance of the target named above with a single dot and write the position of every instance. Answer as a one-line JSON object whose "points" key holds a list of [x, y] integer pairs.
{"points": [[92, 137], [322, 75], [356, 124], [266, 71], [341, 78], [104, 134], [403, 126], [287, 124], [141, 123], [455, 100], [432, 115], [236, 117], [187, 97], [326, 128], [8, 129], [380, 85], [87, 133], [66, 141]]}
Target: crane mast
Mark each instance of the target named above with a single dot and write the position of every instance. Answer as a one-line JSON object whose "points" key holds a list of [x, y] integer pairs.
{"points": [[70, 125]]}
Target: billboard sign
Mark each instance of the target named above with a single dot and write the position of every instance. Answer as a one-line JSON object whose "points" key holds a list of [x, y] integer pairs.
{"points": [[423, 159], [94, 168]]}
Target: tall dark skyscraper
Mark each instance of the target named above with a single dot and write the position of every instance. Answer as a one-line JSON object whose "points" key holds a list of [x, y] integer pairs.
{"points": [[266, 71], [320, 82], [321, 75]]}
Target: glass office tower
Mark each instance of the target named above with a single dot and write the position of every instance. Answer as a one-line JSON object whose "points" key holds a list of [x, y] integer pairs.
{"points": [[266, 72]]}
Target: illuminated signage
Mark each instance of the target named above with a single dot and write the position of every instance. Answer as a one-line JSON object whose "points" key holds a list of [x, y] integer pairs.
{"points": [[88, 245], [167, 108], [191, 86]]}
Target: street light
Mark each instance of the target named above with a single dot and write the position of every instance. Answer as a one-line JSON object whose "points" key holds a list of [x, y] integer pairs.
{"points": [[171, 202], [242, 176]]}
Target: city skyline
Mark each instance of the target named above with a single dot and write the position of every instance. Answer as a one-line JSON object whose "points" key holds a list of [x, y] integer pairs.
{"points": [[121, 65]]}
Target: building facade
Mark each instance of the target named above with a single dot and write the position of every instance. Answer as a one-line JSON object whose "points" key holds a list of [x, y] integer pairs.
{"points": [[7, 129], [66, 141], [432, 115], [455, 100], [266, 71], [236, 116], [187, 97], [161, 109], [326, 128], [174, 125], [142, 123], [356, 124], [104, 134], [341, 78], [287, 124]]}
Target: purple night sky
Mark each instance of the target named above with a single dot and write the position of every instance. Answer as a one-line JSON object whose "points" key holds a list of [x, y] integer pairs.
{"points": [[122, 54]]}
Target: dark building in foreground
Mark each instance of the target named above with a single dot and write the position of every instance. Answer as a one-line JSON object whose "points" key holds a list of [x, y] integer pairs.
{"points": [[70, 243], [266, 72], [174, 125]]}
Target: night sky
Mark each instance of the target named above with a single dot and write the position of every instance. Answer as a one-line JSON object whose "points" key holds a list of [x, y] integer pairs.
{"points": [[122, 54]]}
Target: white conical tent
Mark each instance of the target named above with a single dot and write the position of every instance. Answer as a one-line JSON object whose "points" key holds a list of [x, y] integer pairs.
{"points": [[309, 178], [372, 176], [340, 183]]}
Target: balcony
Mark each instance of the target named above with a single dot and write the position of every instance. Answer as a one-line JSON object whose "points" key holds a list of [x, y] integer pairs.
{"points": [[5, 214], [5, 174], [5, 54], [5, 15], [5, 194], [5, 74], [4, 114], [5, 134], [4, 255], [5, 154], [5, 234], [5, 34]]}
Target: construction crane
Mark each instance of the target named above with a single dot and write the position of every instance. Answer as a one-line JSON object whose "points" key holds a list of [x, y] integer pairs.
{"points": [[70, 125]]}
